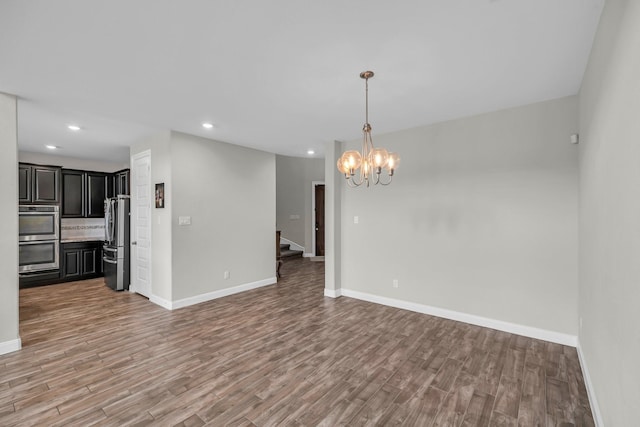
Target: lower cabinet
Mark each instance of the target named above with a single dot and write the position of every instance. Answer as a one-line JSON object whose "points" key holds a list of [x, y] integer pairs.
{"points": [[78, 261], [81, 260]]}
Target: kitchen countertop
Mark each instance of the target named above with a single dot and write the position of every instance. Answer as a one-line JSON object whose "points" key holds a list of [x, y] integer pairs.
{"points": [[81, 239]]}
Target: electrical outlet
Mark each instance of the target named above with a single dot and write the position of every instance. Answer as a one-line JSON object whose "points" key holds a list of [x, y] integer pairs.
{"points": [[355, 219], [395, 283], [184, 220], [227, 274]]}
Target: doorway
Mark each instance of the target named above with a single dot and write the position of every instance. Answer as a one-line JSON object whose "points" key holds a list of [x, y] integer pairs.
{"points": [[318, 218]]}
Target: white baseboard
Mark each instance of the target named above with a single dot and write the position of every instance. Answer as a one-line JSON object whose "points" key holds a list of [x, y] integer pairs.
{"points": [[10, 346], [514, 328], [161, 302], [332, 293], [593, 401], [197, 299], [294, 246], [307, 255]]}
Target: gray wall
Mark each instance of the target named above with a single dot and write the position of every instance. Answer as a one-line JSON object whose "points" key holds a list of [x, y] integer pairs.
{"points": [[481, 218], [294, 177], [609, 302], [8, 224], [229, 192]]}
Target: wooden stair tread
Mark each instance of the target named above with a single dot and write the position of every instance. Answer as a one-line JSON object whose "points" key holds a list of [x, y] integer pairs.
{"points": [[290, 253]]}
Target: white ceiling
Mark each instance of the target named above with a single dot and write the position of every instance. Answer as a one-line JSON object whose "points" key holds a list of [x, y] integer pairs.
{"points": [[278, 75]]}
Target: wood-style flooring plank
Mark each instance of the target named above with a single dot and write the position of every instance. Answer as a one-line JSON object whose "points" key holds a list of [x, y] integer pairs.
{"points": [[479, 410], [277, 355], [533, 409], [508, 396]]}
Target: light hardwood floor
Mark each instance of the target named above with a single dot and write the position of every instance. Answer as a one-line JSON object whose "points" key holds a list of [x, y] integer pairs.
{"points": [[282, 354]]}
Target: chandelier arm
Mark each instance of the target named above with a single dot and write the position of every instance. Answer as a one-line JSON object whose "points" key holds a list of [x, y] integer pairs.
{"points": [[352, 182], [376, 178], [388, 182]]}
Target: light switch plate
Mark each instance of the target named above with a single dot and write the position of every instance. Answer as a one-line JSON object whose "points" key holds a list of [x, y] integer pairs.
{"points": [[184, 220]]}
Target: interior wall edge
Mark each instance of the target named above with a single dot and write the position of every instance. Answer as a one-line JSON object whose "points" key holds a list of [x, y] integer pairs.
{"points": [[514, 328], [166, 304], [591, 392], [209, 296], [332, 293], [10, 346]]}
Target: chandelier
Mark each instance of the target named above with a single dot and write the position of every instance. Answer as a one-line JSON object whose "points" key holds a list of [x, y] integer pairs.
{"points": [[369, 161]]}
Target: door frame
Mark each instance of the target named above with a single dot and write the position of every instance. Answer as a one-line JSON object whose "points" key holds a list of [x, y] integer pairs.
{"points": [[133, 253], [313, 215]]}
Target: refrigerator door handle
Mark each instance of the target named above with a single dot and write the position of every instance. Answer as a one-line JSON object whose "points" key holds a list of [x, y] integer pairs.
{"points": [[107, 214], [113, 220]]}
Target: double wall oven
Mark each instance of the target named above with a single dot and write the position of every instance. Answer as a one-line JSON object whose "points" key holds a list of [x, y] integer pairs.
{"points": [[39, 238]]}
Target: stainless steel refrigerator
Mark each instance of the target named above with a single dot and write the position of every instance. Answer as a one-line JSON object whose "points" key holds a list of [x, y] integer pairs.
{"points": [[115, 253]]}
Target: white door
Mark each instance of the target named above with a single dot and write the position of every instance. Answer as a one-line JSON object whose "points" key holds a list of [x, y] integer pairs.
{"points": [[141, 223]]}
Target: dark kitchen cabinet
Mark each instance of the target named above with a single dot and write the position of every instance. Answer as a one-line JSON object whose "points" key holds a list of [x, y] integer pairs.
{"points": [[82, 260], [83, 193], [46, 185], [73, 194], [96, 193], [118, 183], [122, 182], [24, 184], [111, 185], [38, 184]]}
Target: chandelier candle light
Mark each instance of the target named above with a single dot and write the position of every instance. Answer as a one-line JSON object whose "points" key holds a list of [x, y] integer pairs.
{"points": [[370, 160]]}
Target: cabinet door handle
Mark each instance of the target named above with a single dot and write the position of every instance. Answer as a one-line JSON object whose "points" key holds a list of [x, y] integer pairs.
{"points": [[134, 243]]}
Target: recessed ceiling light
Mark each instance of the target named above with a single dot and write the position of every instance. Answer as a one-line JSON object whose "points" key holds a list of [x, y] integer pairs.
{"points": [[207, 125], [74, 128], [310, 152], [51, 147]]}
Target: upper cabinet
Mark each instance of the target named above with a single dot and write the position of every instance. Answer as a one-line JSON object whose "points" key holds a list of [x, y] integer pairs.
{"points": [[80, 193], [83, 193], [73, 193], [38, 184], [96, 193], [118, 183], [24, 183], [122, 182]]}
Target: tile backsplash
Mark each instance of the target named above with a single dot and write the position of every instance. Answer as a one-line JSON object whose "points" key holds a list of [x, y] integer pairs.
{"points": [[74, 228]]}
